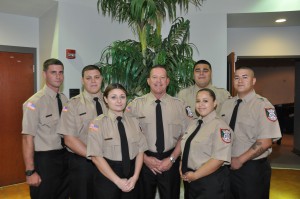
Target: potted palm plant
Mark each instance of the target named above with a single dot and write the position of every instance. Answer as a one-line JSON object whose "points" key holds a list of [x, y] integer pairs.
{"points": [[128, 62]]}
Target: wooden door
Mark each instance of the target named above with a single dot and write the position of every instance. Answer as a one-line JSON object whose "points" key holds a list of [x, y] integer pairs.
{"points": [[230, 73], [16, 86]]}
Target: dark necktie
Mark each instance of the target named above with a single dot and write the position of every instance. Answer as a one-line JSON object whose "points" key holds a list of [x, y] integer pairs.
{"points": [[160, 140], [98, 106], [124, 147], [59, 111], [59, 103], [234, 113], [187, 145]]}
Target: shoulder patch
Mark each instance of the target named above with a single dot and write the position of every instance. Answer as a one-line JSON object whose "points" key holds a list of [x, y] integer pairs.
{"points": [[225, 135], [93, 127], [65, 109], [31, 106], [271, 114], [189, 112], [128, 107]]}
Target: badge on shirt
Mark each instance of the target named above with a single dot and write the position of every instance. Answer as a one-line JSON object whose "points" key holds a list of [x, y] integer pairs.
{"points": [[31, 106], [225, 135], [271, 114], [65, 109], [93, 127], [188, 111], [128, 108]]}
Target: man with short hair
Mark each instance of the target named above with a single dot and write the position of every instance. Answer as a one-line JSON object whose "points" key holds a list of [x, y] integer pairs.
{"points": [[254, 122], [74, 124], [202, 78], [44, 155], [163, 120]]}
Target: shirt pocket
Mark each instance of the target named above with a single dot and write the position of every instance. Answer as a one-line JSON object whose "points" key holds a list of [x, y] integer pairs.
{"points": [[82, 124], [134, 145], [48, 122], [111, 148], [247, 127], [175, 129]]}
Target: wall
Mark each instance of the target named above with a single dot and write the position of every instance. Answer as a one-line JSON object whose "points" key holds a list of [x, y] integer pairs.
{"points": [[281, 79], [48, 29], [265, 41], [79, 26], [18, 31], [83, 29]]}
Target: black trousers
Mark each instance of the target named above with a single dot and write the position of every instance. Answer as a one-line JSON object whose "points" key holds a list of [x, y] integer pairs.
{"points": [[252, 180], [52, 166], [168, 183], [106, 189], [213, 186], [82, 172]]}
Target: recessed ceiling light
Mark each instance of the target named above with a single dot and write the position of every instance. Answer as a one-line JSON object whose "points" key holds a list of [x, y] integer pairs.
{"points": [[280, 20]]}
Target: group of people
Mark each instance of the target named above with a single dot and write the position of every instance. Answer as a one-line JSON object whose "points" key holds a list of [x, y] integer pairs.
{"points": [[94, 146]]}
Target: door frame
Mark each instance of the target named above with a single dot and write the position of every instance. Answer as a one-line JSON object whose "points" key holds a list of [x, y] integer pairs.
{"points": [[19, 49]]}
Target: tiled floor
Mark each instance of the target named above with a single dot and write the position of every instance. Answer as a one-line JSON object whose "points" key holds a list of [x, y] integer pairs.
{"points": [[285, 183]]}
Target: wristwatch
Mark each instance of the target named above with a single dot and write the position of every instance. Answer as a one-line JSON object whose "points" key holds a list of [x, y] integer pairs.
{"points": [[29, 172], [172, 159]]}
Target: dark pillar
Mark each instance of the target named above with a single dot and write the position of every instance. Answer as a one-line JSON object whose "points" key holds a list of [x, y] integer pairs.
{"points": [[297, 109]]}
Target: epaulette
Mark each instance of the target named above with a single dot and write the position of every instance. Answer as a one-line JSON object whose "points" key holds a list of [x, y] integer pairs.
{"points": [[261, 98], [176, 98], [100, 117], [75, 97]]}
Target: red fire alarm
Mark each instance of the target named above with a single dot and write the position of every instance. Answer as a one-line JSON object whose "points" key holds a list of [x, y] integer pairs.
{"points": [[70, 53]]}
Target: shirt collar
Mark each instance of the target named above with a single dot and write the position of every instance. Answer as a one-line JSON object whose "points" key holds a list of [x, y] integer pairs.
{"points": [[248, 97], [90, 97], [152, 98], [113, 116], [50, 92], [212, 115]]}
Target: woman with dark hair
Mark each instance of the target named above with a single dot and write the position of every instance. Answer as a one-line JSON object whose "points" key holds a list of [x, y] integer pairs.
{"points": [[116, 146], [206, 149]]}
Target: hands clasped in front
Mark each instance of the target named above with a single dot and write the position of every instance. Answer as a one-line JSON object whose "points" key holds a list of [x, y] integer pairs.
{"points": [[126, 185], [156, 165]]}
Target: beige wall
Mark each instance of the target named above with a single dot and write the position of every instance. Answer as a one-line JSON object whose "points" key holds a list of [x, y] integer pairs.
{"points": [[276, 83]]}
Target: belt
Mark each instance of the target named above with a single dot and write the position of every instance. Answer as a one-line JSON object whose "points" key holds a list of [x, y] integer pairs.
{"points": [[159, 156], [260, 160], [113, 162]]}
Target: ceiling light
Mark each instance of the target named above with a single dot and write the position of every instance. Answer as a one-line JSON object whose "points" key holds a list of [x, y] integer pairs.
{"points": [[280, 20]]}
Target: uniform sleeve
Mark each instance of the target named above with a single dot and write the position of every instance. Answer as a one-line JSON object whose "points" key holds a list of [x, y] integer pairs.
{"points": [[143, 146], [222, 142], [131, 109], [67, 124], [268, 122], [30, 118], [94, 141]]}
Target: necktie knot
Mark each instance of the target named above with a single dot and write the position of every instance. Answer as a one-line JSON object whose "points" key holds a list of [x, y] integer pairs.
{"points": [[239, 101], [157, 101], [96, 99], [119, 118], [57, 96], [200, 122]]}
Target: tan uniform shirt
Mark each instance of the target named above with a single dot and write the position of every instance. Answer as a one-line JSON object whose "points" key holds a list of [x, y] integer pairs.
{"points": [[40, 119], [104, 138], [174, 116], [213, 140], [189, 96], [78, 113], [256, 119]]}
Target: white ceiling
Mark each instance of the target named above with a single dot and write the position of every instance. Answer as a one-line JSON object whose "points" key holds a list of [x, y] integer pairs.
{"points": [[266, 19], [30, 8], [36, 8]]}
